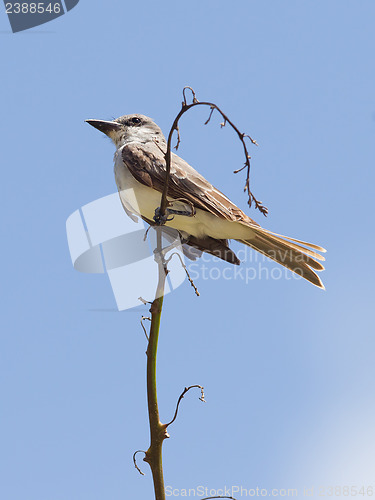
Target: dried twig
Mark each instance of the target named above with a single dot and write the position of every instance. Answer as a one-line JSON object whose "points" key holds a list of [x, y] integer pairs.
{"points": [[187, 272], [209, 118], [143, 326], [187, 389], [184, 94], [178, 138], [168, 156], [135, 462]]}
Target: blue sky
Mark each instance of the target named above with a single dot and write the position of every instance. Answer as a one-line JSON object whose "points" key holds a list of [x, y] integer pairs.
{"points": [[288, 369]]}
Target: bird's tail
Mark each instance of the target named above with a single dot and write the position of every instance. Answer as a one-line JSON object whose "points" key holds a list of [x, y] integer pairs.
{"points": [[290, 253]]}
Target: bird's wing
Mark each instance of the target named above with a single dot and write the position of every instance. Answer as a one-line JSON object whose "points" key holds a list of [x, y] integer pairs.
{"points": [[146, 163]]}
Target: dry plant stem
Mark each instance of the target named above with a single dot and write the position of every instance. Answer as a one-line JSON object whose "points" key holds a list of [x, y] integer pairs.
{"points": [[157, 429], [143, 326], [168, 154], [186, 272]]}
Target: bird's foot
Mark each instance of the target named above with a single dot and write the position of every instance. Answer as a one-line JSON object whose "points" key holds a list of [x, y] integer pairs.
{"points": [[186, 211], [162, 219], [159, 219]]}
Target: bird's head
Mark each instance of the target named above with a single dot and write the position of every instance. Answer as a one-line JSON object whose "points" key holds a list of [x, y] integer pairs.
{"points": [[129, 128]]}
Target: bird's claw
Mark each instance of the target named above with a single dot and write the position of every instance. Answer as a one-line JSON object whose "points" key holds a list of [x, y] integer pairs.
{"points": [[162, 219], [159, 219]]}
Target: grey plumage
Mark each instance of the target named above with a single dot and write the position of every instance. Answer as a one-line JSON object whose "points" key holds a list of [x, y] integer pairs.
{"points": [[140, 166]]}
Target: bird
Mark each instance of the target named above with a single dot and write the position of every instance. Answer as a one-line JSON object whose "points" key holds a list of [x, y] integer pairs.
{"points": [[204, 217]]}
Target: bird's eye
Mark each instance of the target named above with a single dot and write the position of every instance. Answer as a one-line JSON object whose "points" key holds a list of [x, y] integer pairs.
{"points": [[136, 120]]}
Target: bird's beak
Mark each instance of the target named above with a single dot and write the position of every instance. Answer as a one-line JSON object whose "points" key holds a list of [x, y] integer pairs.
{"points": [[105, 126]]}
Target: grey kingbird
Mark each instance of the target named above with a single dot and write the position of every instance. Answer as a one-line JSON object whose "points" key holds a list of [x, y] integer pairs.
{"points": [[204, 217]]}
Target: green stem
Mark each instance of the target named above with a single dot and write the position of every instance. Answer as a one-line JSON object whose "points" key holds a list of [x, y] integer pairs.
{"points": [[157, 429]]}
